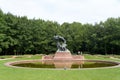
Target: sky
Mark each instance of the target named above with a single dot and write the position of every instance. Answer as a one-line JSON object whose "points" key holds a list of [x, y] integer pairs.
{"points": [[83, 11]]}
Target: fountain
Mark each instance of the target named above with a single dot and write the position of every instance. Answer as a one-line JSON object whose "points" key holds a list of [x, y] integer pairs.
{"points": [[63, 59]]}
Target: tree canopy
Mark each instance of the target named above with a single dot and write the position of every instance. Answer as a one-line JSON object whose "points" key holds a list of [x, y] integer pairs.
{"points": [[20, 35]]}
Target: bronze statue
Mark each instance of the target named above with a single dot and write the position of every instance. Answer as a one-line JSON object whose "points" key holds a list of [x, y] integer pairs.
{"points": [[61, 43]]}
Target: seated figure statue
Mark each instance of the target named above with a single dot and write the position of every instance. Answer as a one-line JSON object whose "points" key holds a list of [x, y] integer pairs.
{"points": [[61, 43]]}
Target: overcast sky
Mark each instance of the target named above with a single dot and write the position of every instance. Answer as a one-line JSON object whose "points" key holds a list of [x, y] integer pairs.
{"points": [[84, 11]]}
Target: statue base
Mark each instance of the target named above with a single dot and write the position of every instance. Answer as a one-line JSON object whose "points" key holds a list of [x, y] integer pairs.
{"points": [[63, 55]]}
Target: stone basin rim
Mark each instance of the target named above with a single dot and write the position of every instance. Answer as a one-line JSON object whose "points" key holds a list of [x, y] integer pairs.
{"points": [[10, 64]]}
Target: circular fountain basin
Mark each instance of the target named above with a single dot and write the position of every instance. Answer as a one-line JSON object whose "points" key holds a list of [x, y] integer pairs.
{"points": [[58, 64]]}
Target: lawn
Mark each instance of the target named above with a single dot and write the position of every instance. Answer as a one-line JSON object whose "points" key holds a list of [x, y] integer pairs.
{"points": [[8, 73]]}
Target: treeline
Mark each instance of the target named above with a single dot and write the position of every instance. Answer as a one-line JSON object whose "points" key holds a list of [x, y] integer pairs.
{"points": [[20, 35]]}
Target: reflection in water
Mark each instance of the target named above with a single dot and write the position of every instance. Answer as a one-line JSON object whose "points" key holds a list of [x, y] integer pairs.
{"points": [[64, 64]]}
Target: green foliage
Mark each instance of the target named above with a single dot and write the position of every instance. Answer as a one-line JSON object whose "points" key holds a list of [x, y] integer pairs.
{"points": [[20, 35]]}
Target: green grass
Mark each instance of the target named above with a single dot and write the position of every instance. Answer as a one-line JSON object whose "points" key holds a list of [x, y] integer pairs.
{"points": [[8, 73]]}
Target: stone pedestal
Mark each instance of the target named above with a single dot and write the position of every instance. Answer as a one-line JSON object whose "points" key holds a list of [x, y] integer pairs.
{"points": [[63, 55]]}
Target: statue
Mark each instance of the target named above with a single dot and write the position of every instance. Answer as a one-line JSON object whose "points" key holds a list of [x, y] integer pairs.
{"points": [[62, 53], [61, 43]]}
